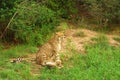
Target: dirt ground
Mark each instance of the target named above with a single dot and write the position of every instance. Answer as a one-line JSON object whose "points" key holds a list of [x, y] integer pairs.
{"points": [[79, 42]]}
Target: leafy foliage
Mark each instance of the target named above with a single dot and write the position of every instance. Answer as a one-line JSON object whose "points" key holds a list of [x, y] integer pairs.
{"points": [[7, 8], [105, 11], [33, 23], [63, 7]]}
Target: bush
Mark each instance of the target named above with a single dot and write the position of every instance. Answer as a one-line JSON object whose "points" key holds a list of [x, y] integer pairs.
{"points": [[63, 7], [105, 11], [7, 8], [33, 24]]}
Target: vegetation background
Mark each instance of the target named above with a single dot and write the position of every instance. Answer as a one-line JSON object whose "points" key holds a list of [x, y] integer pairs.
{"points": [[25, 24]]}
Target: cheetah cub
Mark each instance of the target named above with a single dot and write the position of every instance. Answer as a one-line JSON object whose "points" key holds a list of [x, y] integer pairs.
{"points": [[48, 54]]}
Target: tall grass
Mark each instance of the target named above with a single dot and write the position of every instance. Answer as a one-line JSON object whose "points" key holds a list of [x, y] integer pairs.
{"points": [[17, 51], [19, 71]]}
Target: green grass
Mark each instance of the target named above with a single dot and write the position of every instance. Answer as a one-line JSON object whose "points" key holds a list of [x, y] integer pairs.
{"points": [[117, 39], [101, 62], [13, 71], [63, 26], [79, 34], [1, 46], [101, 39], [17, 51]]}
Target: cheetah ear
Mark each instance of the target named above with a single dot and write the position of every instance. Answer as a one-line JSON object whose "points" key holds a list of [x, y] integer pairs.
{"points": [[59, 33], [63, 37], [56, 33]]}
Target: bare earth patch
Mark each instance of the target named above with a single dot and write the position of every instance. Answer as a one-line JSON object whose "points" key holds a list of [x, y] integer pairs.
{"points": [[112, 41], [79, 42]]}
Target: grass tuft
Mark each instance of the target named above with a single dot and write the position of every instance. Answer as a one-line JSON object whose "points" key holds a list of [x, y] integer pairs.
{"points": [[20, 50], [117, 39], [79, 34]]}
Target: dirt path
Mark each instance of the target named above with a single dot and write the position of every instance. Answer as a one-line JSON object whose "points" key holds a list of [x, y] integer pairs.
{"points": [[112, 41]]}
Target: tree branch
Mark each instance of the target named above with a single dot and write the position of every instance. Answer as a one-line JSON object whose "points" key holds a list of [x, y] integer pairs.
{"points": [[8, 25]]}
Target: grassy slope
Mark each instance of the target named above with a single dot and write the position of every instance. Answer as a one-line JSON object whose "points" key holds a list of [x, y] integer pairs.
{"points": [[11, 71], [102, 62]]}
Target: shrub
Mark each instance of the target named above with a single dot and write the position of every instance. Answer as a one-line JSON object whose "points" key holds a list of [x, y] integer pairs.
{"points": [[63, 7], [7, 8], [33, 24], [105, 11]]}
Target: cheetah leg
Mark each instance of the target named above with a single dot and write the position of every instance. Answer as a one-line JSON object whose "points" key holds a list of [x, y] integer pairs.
{"points": [[58, 61]]}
